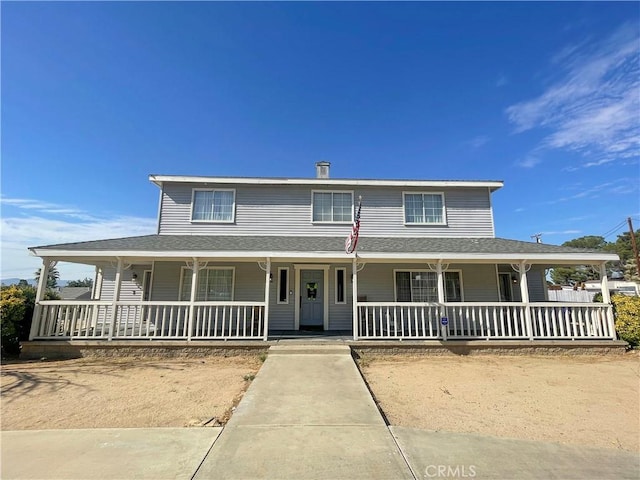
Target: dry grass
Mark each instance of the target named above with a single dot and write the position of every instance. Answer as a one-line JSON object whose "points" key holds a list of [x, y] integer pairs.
{"points": [[586, 400], [102, 393]]}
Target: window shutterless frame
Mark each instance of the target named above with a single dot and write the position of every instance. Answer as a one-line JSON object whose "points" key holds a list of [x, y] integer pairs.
{"points": [[341, 286], [194, 197], [457, 272], [335, 209], [184, 293], [283, 285], [424, 211]]}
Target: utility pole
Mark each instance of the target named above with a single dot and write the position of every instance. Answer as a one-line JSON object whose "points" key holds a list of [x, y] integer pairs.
{"points": [[538, 237], [634, 246]]}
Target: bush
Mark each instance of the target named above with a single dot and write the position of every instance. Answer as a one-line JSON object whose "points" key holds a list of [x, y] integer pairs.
{"points": [[627, 318], [12, 310]]}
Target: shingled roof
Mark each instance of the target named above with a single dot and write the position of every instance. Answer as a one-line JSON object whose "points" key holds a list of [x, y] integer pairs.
{"points": [[367, 246]]}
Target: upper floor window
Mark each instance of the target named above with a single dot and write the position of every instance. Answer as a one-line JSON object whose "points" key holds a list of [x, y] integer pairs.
{"points": [[424, 208], [213, 205], [332, 206]]}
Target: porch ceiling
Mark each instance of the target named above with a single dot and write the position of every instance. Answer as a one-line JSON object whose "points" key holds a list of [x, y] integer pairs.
{"points": [[287, 247]]}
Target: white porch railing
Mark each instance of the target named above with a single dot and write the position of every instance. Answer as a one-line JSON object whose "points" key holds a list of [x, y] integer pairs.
{"points": [[399, 320], [472, 320], [487, 321], [572, 320], [62, 319]]}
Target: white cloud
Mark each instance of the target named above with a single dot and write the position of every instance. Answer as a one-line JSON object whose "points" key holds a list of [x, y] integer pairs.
{"points": [[479, 141], [563, 232], [47, 223], [593, 107], [528, 162], [621, 186]]}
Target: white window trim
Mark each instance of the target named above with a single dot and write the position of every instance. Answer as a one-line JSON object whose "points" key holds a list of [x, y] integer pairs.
{"points": [[193, 204], [344, 279], [404, 209], [200, 270], [286, 301], [418, 270], [325, 222]]}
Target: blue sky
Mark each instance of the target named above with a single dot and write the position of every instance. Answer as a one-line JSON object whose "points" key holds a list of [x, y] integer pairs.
{"points": [[97, 96]]}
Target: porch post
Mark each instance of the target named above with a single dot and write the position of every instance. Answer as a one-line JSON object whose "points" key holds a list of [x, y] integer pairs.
{"points": [[354, 286], [604, 284], [116, 297], [42, 288], [606, 299], [267, 286], [524, 294], [441, 299], [192, 298]]}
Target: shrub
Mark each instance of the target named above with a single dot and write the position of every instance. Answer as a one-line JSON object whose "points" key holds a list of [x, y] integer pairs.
{"points": [[627, 318], [12, 310]]}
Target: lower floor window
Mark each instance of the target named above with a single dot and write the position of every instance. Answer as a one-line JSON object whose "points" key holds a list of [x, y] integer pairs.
{"points": [[215, 284], [418, 286]]}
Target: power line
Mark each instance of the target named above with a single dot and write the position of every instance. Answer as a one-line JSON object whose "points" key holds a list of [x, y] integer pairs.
{"points": [[615, 229]]}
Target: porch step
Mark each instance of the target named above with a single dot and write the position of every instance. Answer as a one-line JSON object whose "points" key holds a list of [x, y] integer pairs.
{"points": [[309, 349]]}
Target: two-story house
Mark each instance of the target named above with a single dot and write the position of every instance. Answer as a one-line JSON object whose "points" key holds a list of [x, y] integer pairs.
{"points": [[242, 258]]}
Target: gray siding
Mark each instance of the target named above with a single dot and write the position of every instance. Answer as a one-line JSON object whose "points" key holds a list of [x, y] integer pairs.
{"points": [[340, 315], [286, 210], [479, 282], [248, 281], [281, 316], [130, 290]]}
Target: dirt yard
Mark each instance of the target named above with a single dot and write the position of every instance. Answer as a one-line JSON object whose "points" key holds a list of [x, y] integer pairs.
{"points": [[101, 393], [586, 400]]}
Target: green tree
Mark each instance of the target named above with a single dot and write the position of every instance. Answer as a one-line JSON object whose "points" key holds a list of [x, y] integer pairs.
{"points": [[87, 282], [580, 273], [12, 313], [623, 247], [52, 278]]}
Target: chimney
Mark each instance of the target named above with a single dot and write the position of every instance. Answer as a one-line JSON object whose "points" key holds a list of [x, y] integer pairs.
{"points": [[322, 169]]}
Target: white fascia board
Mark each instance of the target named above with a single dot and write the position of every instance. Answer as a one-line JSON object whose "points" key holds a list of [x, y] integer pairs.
{"points": [[160, 179], [556, 258]]}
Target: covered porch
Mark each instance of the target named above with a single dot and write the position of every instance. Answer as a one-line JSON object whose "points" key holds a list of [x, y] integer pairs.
{"points": [[496, 292]]}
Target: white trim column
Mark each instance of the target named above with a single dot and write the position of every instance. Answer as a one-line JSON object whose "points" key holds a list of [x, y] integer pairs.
{"points": [[604, 283], [116, 296], [192, 297], [47, 264], [524, 296], [606, 300], [441, 299], [354, 286], [267, 286]]}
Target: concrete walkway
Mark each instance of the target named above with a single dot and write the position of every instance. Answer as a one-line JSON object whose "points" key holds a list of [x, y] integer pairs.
{"points": [[307, 415]]}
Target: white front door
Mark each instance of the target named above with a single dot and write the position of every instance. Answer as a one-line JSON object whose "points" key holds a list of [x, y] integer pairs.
{"points": [[311, 298]]}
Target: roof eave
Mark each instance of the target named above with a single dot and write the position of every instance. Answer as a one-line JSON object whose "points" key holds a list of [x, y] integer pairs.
{"points": [[158, 180], [538, 258]]}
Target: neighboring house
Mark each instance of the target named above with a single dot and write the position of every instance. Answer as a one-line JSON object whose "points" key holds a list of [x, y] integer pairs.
{"points": [[268, 255], [631, 289], [75, 293]]}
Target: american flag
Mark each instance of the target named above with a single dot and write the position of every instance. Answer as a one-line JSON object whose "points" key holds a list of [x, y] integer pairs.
{"points": [[352, 240]]}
